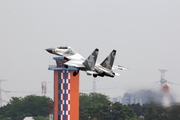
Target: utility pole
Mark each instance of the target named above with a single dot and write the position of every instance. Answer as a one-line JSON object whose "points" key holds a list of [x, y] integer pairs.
{"points": [[94, 85], [44, 88], [1, 100]]}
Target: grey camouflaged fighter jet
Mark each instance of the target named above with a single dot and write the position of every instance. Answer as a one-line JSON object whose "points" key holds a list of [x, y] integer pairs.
{"points": [[89, 65], [76, 60]]}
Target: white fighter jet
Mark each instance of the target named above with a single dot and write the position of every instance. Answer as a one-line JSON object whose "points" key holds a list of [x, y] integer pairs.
{"points": [[89, 65], [74, 59]]}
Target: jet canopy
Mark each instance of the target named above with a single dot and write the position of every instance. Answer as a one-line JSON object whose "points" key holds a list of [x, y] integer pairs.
{"points": [[62, 47]]}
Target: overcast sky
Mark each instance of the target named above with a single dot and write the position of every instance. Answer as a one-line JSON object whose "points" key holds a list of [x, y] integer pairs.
{"points": [[146, 35]]}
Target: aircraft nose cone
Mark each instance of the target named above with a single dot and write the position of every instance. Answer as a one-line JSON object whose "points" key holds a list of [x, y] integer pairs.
{"points": [[50, 50]]}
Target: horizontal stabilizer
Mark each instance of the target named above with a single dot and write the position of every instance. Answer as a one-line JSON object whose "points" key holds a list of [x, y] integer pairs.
{"points": [[91, 72], [117, 74], [122, 68]]}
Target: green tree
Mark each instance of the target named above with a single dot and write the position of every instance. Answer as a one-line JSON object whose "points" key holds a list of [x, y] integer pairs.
{"points": [[174, 112], [37, 105], [122, 112], [40, 118], [31, 105], [3, 118], [155, 111], [99, 111], [12, 108], [97, 106], [138, 109], [88, 101], [110, 111], [91, 99]]}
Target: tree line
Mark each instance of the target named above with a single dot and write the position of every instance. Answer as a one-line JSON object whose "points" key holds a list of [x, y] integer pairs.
{"points": [[96, 106], [93, 106], [18, 108]]}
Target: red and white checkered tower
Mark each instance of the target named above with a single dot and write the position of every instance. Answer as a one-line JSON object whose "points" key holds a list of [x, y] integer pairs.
{"points": [[66, 91]]}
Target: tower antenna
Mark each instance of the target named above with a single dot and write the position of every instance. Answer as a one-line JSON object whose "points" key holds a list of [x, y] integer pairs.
{"points": [[163, 80]]}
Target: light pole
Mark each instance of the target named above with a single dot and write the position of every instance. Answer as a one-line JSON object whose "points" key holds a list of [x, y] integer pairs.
{"points": [[111, 110], [89, 118]]}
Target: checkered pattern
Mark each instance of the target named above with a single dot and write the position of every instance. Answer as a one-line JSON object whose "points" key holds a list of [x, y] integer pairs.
{"points": [[65, 96]]}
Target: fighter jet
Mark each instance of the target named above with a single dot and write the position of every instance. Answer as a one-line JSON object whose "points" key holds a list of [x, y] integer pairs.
{"points": [[76, 60], [67, 52], [89, 65]]}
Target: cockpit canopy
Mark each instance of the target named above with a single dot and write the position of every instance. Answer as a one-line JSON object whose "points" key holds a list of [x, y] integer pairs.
{"points": [[62, 47]]}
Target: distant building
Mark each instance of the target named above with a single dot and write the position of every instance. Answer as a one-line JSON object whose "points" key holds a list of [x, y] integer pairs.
{"points": [[28, 118], [144, 96], [141, 97], [116, 99], [126, 99], [130, 98]]}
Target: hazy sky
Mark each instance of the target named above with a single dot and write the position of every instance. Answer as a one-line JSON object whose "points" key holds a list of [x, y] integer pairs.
{"points": [[146, 35]]}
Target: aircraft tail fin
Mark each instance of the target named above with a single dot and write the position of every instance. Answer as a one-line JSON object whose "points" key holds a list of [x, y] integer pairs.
{"points": [[90, 62], [109, 61]]}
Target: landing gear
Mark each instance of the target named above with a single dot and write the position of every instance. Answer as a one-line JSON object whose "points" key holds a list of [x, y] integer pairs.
{"points": [[66, 66], [112, 75], [102, 74], [75, 73], [94, 75]]}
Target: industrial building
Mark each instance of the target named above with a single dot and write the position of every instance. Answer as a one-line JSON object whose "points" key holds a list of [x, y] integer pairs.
{"points": [[142, 96]]}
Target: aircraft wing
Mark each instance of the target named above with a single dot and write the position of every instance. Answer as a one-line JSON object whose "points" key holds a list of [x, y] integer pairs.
{"points": [[76, 56], [72, 54], [75, 63]]}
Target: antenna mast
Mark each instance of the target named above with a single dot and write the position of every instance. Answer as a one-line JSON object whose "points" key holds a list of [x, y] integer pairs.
{"points": [[163, 80], [94, 85], [1, 100], [44, 88]]}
